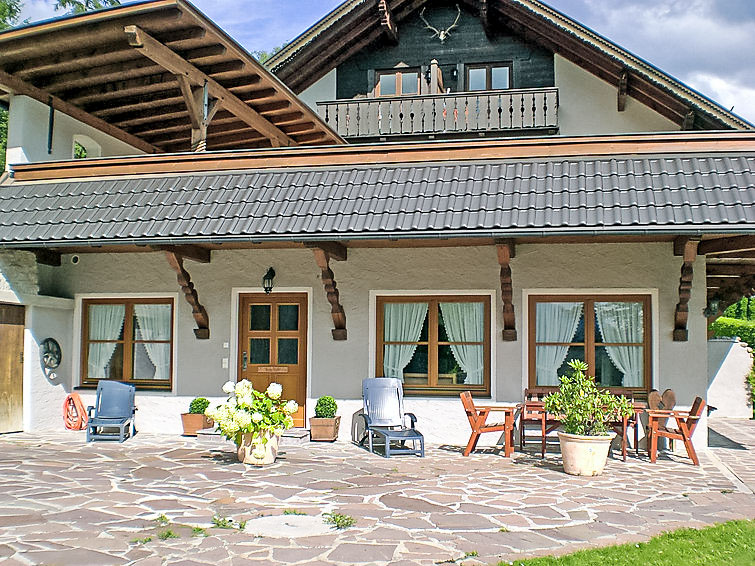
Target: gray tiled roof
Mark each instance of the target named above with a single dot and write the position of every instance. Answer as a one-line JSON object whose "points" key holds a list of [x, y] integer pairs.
{"points": [[554, 196]]}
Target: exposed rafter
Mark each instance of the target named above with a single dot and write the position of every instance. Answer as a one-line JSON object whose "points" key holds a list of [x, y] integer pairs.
{"points": [[726, 245], [506, 252], [17, 86], [323, 257], [171, 61], [681, 314], [387, 21], [201, 318]]}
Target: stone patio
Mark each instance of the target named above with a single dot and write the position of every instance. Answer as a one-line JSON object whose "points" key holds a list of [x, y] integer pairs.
{"points": [[66, 502]]}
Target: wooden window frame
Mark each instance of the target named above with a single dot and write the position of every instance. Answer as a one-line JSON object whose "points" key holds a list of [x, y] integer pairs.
{"points": [[589, 301], [127, 341], [432, 388], [488, 74], [399, 81]]}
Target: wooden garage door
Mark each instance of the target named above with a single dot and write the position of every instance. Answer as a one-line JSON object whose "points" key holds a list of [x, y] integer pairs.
{"points": [[11, 367]]}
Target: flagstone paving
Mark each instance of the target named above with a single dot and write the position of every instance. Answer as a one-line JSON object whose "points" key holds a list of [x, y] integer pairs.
{"points": [[66, 502]]}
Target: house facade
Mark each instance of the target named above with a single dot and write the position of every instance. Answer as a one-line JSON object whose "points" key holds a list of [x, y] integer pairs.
{"points": [[462, 196]]}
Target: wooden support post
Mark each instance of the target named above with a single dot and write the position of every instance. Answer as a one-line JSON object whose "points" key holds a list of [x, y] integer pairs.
{"points": [[387, 21], [623, 88], [322, 257], [201, 109], [681, 316], [506, 252], [202, 319]]}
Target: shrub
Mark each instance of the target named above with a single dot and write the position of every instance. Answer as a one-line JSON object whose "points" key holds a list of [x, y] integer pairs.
{"points": [[743, 309], [582, 407], [725, 327], [326, 407], [198, 406]]}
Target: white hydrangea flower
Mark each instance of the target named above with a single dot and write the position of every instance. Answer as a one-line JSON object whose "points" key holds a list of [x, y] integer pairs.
{"points": [[229, 387], [245, 400], [291, 407], [244, 387], [275, 390], [242, 418], [256, 417], [288, 422]]}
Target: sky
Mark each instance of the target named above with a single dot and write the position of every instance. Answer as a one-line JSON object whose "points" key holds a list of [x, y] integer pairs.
{"points": [[707, 44]]}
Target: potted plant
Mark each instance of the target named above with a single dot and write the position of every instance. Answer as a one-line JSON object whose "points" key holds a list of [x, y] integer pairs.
{"points": [[254, 420], [195, 419], [585, 413], [324, 425]]}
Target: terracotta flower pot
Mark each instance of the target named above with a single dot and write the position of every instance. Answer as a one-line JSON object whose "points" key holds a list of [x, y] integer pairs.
{"points": [[253, 451], [193, 422], [584, 455], [324, 430]]}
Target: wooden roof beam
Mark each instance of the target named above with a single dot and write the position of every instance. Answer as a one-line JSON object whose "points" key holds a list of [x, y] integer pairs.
{"points": [[17, 86], [335, 250], [387, 21], [623, 88], [188, 251], [724, 245], [170, 60], [714, 269]]}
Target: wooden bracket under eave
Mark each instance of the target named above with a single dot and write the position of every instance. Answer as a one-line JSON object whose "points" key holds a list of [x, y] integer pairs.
{"points": [[387, 21], [484, 9], [681, 315], [623, 90], [202, 319], [506, 252], [322, 257]]}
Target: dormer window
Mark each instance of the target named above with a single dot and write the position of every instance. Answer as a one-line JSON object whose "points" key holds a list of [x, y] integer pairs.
{"points": [[492, 76], [398, 82]]}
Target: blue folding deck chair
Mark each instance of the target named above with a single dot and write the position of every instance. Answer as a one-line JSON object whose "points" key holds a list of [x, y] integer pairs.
{"points": [[385, 419], [114, 409]]}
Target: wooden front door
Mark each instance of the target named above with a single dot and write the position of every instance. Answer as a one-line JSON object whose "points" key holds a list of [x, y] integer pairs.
{"points": [[11, 368], [273, 344]]}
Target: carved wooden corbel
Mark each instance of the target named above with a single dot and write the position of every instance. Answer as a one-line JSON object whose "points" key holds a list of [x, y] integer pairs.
{"points": [[202, 331], [484, 9], [507, 251], [323, 257], [681, 316], [623, 89], [387, 21]]}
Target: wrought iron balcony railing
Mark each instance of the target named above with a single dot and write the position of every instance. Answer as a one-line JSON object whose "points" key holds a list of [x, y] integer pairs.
{"points": [[520, 110]]}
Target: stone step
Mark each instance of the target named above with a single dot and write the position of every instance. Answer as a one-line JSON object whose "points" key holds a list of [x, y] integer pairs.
{"points": [[295, 436]]}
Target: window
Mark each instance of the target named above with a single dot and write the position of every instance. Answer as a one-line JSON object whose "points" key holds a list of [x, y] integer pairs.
{"points": [[397, 82], [128, 340], [610, 333], [435, 344], [496, 76]]}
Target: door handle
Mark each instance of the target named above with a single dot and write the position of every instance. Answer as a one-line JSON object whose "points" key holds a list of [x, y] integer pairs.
{"points": [[244, 361]]}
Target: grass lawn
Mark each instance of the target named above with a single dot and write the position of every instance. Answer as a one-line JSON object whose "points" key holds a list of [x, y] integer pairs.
{"points": [[729, 544]]}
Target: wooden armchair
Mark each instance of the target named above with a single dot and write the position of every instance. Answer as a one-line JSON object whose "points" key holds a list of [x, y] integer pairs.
{"points": [[686, 422], [533, 413], [477, 420]]}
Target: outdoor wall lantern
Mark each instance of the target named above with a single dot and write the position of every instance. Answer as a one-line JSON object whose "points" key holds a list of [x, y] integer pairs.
{"points": [[711, 309], [267, 280]]}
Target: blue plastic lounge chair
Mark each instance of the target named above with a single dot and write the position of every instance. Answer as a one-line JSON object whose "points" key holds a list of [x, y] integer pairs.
{"points": [[114, 409], [385, 419]]}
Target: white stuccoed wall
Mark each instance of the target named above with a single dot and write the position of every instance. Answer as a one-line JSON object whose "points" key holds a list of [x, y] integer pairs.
{"points": [[337, 368], [322, 90], [729, 362]]}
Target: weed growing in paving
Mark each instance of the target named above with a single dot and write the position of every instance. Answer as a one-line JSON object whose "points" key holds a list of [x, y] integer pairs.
{"points": [[165, 535], [293, 512], [339, 521], [222, 522], [144, 540], [198, 532], [162, 520], [242, 525], [503, 530]]}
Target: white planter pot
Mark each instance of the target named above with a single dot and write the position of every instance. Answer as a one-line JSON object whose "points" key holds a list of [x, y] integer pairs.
{"points": [[268, 443], [584, 455]]}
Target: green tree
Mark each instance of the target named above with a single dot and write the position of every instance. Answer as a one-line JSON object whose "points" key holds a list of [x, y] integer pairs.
{"points": [[262, 56], [81, 6], [10, 10]]}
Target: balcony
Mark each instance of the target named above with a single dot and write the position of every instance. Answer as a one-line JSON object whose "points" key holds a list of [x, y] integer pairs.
{"points": [[459, 114]]}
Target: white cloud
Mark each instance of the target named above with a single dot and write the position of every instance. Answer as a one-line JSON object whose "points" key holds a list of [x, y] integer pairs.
{"points": [[727, 93]]}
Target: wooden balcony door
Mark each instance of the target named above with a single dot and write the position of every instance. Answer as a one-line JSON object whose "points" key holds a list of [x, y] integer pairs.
{"points": [[11, 368], [273, 344]]}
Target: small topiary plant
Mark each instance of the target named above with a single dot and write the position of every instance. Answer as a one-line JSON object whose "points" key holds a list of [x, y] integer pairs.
{"points": [[582, 407], [198, 406], [326, 408]]}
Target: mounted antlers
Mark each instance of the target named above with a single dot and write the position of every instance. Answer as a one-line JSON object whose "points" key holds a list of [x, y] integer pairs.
{"points": [[441, 34]]}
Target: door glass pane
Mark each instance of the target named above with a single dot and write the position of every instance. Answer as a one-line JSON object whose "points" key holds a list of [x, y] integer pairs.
{"points": [[477, 79], [152, 361], [500, 78], [152, 322], [415, 373], [105, 361], [288, 317], [259, 351], [409, 83], [106, 322], [619, 323], [288, 351], [387, 85], [259, 317], [619, 366], [551, 362]]}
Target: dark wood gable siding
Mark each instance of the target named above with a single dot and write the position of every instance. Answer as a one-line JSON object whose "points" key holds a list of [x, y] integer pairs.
{"points": [[532, 65]]}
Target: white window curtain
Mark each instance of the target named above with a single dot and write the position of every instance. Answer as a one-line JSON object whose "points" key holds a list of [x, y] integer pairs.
{"points": [[623, 323], [554, 322], [465, 323], [153, 323], [105, 323], [402, 323]]}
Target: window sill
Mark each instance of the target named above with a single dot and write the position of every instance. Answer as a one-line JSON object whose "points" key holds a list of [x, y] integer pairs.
{"points": [[139, 387]]}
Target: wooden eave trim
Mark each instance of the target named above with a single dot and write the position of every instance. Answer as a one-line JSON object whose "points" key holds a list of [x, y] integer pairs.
{"points": [[458, 151]]}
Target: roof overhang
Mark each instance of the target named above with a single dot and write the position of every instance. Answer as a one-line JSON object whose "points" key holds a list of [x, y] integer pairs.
{"points": [[139, 86]]}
